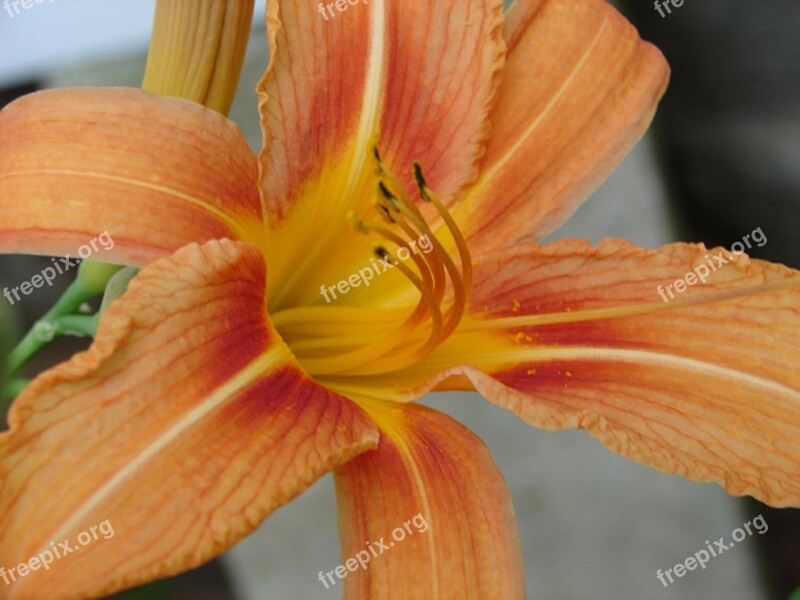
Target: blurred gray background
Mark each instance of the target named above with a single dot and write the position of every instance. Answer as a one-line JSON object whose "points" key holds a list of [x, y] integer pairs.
{"points": [[721, 160]]}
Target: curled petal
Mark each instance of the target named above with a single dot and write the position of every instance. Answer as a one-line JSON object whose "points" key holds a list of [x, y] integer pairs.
{"points": [[156, 173], [578, 90], [422, 75], [184, 425], [571, 335], [706, 386], [444, 66]]}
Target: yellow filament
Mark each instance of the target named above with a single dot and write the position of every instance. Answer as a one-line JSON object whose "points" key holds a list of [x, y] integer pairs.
{"points": [[421, 263], [459, 300], [320, 314], [356, 358], [433, 260], [463, 250], [342, 342]]}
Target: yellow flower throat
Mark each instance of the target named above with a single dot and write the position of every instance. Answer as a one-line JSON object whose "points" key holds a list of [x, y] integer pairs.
{"points": [[335, 342]]}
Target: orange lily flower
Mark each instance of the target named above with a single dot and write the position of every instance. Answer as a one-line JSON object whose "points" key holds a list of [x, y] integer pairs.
{"points": [[223, 383]]}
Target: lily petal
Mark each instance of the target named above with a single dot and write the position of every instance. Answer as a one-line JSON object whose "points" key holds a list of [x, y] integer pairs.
{"points": [[415, 78], [184, 425], [705, 386], [571, 335], [432, 494], [422, 74], [578, 90], [156, 173], [445, 63]]}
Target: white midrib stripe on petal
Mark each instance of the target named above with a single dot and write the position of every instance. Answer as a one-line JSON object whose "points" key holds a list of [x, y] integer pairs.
{"points": [[372, 103], [227, 219], [370, 116], [488, 175], [263, 364], [543, 355]]}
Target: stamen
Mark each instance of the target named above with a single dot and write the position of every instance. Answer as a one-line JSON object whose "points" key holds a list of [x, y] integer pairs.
{"points": [[435, 263], [365, 354], [333, 320], [459, 292], [463, 250], [395, 182], [361, 341], [422, 265], [385, 213], [425, 296]]}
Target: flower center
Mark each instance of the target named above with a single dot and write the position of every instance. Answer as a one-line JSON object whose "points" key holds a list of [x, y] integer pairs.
{"points": [[331, 341]]}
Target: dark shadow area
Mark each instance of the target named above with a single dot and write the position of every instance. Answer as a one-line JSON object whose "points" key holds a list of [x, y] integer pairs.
{"points": [[729, 141], [207, 582]]}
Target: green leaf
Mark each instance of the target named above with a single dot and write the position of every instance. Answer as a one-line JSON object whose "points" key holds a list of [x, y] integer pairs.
{"points": [[8, 332]]}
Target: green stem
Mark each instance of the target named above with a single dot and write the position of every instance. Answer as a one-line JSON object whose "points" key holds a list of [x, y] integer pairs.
{"points": [[77, 325], [53, 324], [14, 388], [61, 320]]}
